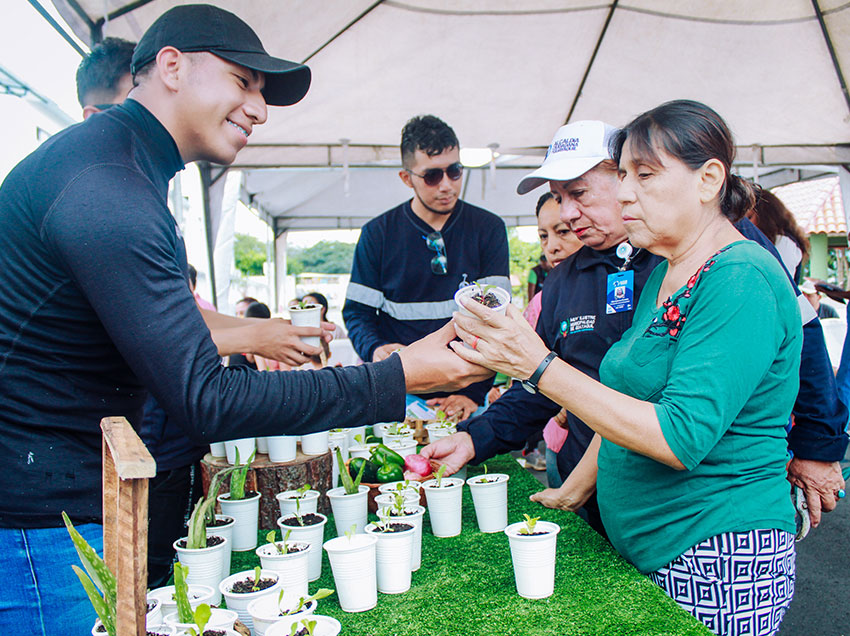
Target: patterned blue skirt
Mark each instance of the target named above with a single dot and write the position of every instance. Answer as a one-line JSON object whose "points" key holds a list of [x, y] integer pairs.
{"points": [[737, 583]]}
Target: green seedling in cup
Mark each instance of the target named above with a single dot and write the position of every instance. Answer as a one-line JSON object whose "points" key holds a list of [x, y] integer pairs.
{"points": [[256, 586], [530, 523], [181, 593], [439, 475], [351, 531], [318, 596], [281, 550], [201, 617], [308, 625]]}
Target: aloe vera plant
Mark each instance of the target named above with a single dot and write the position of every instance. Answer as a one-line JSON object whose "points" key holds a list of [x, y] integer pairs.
{"points": [[350, 485], [237, 479], [204, 512], [100, 585], [181, 593]]}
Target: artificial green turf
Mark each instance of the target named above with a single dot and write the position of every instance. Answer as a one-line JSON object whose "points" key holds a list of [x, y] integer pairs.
{"points": [[466, 583]]}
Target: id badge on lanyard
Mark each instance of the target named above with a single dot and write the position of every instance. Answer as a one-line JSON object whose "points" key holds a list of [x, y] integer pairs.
{"points": [[620, 287]]}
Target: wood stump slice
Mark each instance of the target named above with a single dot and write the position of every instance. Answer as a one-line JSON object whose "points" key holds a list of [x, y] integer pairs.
{"points": [[270, 478]]}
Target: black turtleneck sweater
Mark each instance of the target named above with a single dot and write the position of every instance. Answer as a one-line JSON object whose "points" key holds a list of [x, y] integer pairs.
{"points": [[95, 311]]}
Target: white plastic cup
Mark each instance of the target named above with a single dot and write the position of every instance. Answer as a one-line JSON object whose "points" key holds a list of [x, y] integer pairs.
{"points": [[265, 611], [309, 317], [387, 499], [468, 291], [438, 431], [227, 533], [354, 432], [220, 618], [315, 443], [405, 435], [282, 448], [217, 449], [404, 447], [246, 446], [246, 513], [534, 559], [393, 552], [416, 520], [362, 451], [315, 536], [353, 563], [337, 439], [407, 486], [491, 501], [293, 568], [325, 626], [379, 428], [239, 602], [262, 446], [197, 594], [349, 509], [289, 504], [204, 566], [444, 506]]}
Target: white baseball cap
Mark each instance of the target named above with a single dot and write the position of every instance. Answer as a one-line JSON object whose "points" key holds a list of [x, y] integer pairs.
{"points": [[576, 148]]}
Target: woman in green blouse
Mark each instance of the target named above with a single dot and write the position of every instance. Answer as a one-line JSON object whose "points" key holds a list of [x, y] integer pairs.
{"points": [[694, 399]]}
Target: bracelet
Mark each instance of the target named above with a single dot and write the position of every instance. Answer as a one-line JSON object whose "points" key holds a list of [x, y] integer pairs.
{"points": [[530, 385]]}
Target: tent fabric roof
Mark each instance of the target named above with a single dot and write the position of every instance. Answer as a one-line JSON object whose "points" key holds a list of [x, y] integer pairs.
{"points": [[816, 205], [509, 73]]}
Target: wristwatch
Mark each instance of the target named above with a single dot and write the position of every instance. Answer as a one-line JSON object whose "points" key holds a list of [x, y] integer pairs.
{"points": [[530, 385]]}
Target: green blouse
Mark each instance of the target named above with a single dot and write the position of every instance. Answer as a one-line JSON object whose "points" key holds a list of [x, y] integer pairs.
{"points": [[719, 359]]}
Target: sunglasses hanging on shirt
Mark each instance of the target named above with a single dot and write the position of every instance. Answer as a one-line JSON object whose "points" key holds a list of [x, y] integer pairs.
{"points": [[433, 176], [439, 264]]}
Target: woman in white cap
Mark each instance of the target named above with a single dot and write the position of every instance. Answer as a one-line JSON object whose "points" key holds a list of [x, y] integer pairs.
{"points": [[693, 401]]}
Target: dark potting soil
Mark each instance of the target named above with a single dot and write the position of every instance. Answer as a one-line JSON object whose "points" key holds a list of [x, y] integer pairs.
{"points": [[214, 632], [310, 519], [211, 541], [100, 629], [533, 534], [488, 300], [302, 632], [397, 527], [218, 523], [405, 513], [246, 586], [150, 608], [292, 549], [485, 480]]}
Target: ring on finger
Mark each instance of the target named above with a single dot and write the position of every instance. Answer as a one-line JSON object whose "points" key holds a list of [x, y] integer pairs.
{"points": [[841, 493]]}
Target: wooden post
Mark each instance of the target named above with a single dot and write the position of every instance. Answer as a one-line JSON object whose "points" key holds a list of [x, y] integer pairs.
{"points": [[127, 466]]}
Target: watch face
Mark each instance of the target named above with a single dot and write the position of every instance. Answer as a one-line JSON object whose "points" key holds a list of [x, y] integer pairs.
{"points": [[528, 386]]}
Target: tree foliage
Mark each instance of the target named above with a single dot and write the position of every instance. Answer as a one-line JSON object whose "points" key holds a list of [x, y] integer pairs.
{"points": [[325, 257], [249, 254], [524, 256]]}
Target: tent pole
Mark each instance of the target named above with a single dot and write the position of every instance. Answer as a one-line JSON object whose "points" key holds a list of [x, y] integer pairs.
{"points": [[832, 56], [592, 60], [279, 267], [205, 171]]}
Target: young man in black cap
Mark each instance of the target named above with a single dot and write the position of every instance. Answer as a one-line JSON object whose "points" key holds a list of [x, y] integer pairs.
{"points": [[96, 309]]}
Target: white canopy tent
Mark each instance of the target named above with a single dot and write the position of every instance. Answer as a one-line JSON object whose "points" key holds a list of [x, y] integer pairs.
{"points": [[506, 74]]}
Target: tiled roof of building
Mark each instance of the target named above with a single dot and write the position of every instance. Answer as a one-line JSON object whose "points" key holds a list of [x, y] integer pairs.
{"points": [[816, 205]]}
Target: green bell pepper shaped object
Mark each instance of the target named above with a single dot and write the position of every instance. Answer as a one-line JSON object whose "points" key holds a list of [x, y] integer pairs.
{"points": [[381, 455], [370, 473], [390, 472]]}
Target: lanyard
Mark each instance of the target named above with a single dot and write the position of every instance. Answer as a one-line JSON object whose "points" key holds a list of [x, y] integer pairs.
{"points": [[627, 253]]}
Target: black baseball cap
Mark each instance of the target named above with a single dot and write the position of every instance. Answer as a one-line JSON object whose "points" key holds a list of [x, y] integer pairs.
{"points": [[203, 27]]}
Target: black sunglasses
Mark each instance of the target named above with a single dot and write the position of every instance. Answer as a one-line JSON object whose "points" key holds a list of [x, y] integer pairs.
{"points": [[433, 176], [439, 264]]}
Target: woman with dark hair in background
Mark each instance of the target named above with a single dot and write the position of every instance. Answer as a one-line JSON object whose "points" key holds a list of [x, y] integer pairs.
{"points": [[694, 398], [255, 309], [778, 224]]}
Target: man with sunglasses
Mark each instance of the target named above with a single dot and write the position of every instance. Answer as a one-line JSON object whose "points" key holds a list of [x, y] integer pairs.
{"points": [[410, 260]]}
